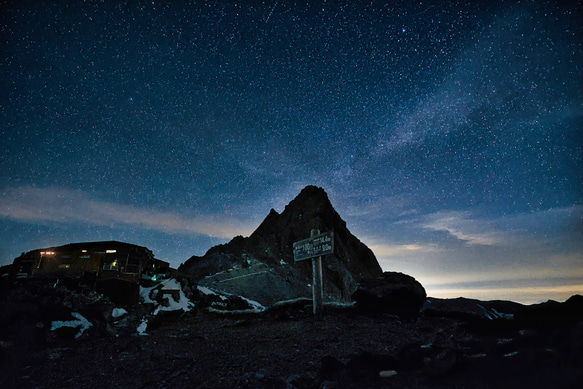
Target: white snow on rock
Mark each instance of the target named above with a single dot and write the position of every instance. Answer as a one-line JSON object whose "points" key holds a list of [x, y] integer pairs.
{"points": [[143, 326], [81, 322], [173, 305], [255, 306], [118, 312], [493, 314], [214, 275], [145, 294], [387, 373], [207, 291], [337, 304], [183, 302], [169, 285]]}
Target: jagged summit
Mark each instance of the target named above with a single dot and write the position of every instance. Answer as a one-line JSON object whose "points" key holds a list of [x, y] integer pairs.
{"points": [[314, 199], [266, 257], [311, 209]]}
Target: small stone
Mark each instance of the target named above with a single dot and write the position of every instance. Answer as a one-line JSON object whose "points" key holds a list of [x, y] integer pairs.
{"points": [[387, 373]]}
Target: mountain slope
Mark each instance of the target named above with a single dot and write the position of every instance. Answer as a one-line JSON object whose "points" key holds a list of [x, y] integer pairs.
{"points": [[261, 267]]}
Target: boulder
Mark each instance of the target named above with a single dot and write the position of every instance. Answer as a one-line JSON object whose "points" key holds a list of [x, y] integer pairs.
{"points": [[394, 292]]}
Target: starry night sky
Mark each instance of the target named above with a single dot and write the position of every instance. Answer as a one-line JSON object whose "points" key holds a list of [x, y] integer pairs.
{"points": [[448, 135]]}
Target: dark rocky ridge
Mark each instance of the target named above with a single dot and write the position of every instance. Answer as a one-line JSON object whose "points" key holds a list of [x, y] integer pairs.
{"points": [[261, 267]]}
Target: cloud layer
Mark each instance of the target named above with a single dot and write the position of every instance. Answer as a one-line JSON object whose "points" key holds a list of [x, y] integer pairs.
{"points": [[59, 205]]}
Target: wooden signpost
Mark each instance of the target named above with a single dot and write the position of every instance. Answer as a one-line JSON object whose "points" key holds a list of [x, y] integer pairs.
{"points": [[314, 247]]}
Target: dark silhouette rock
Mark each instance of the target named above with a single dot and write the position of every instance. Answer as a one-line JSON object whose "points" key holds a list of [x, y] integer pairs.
{"points": [[470, 309], [120, 292], [553, 312], [30, 307], [393, 292], [261, 267]]}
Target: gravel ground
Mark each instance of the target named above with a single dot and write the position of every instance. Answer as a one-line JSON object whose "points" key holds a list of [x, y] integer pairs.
{"points": [[291, 348]]}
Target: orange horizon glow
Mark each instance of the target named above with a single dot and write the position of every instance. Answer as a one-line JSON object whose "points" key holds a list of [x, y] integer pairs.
{"points": [[524, 295]]}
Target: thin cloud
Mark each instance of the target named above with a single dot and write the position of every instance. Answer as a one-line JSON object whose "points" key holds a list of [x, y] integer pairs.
{"points": [[462, 227], [58, 205], [386, 250], [524, 229]]}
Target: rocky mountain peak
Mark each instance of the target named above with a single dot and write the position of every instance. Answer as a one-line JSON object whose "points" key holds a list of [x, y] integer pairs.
{"points": [[311, 209], [311, 198], [268, 254]]}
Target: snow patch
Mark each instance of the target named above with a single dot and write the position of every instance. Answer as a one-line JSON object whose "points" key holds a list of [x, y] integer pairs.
{"points": [[143, 326], [171, 304], [118, 312], [145, 294], [81, 322], [207, 291], [214, 275], [493, 314], [337, 304], [171, 284], [231, 312], [292, 301], [255, 306]]}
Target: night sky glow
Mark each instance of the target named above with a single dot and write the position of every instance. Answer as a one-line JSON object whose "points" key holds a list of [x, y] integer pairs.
{"points": [[448, 135]]}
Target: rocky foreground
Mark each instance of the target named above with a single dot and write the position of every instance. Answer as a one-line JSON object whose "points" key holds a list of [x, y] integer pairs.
{"points": [[457, 343]]}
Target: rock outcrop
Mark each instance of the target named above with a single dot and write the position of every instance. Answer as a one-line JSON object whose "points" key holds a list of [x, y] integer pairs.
{"points": [[261, 267], [393, 292]]}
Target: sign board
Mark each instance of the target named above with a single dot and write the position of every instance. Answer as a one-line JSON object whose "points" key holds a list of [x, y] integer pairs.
{"points": [[316, 246]]}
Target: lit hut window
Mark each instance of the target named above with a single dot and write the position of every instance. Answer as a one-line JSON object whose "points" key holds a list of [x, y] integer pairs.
{"points": [[110, 266]]}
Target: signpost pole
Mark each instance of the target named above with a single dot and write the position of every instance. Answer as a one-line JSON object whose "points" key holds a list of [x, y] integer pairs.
{"points": [[317, 285], [315, 247]]}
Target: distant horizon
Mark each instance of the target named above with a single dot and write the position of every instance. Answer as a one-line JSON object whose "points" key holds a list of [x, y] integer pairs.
{"points": [[485, 290], [521, 290], [522, 295]]}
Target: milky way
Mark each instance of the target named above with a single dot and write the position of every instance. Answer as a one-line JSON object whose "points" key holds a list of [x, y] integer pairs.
{"points": [[447, 135]]}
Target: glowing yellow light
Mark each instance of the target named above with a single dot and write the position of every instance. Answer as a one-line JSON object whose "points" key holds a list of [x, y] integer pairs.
{"points": [[47, 253], [83, 251], [110, 251]]}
